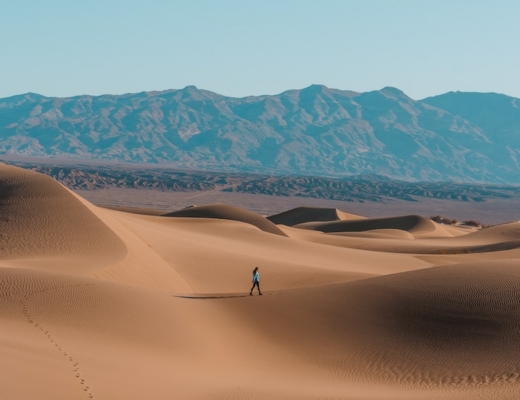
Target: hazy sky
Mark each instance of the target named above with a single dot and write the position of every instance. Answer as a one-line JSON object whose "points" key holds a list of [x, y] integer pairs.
{"points": [[249, 47]]}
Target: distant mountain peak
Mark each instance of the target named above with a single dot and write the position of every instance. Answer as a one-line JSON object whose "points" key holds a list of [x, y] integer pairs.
{"points": [[190, 88], [27, 96], [316, 88], [393, 92]]}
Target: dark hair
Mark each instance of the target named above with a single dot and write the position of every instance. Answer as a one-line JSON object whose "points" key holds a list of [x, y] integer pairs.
{"points": [[256, 269]]}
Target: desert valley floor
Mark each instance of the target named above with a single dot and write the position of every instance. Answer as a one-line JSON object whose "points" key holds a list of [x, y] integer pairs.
{"points": [[99, 303]]}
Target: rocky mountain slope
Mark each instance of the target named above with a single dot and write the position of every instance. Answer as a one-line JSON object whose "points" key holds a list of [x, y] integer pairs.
{"points": [[314, 131]]}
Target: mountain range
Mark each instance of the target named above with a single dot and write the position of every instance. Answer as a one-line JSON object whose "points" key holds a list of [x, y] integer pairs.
{"points": [[318, 131]]}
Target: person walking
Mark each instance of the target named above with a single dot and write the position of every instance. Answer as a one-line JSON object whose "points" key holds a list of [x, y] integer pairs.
{"points": [[256, 282]]}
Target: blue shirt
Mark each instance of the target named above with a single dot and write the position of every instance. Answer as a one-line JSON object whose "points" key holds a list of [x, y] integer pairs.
{"points": [[256, 277]]}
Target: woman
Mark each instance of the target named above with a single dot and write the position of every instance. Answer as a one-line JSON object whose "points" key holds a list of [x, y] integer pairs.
{"points": [[256, 282]]}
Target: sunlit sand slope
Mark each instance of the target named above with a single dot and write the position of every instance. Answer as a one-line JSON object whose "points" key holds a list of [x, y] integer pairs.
{"points": [[443, 240], [41, 218], [409, 223], [217, 256]]}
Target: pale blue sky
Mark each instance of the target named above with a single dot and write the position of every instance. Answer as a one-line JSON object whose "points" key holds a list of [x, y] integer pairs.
{"points": [[249, 47]]}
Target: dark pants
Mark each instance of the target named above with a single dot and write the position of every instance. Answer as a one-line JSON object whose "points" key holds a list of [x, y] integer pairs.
{"points": [[257, 284]]}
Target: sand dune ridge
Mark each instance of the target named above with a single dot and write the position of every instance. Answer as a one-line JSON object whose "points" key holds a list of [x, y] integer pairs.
{"points": [[40, 217], [224, 211], [301, 215]]}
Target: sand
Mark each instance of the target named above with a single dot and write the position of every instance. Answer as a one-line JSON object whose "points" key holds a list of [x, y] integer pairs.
{"points": [[131, 304]]}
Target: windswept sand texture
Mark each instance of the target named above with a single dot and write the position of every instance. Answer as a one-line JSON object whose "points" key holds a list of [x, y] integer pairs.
{"points": [[40, 218], [106, 304]]}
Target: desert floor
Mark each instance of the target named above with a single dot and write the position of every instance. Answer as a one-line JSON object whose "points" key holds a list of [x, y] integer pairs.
{"points": [[106, 304]]}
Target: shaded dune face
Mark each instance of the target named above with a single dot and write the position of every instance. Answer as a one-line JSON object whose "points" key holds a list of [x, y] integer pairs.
{"points": [[301, 215], [39, 217], [224, 211], [446, 325], [409, 223], [439, 327]]}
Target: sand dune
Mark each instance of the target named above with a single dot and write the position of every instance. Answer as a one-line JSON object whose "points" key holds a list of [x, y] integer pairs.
{"points": [[442, 241], [224, 211], [301, 215], [409, 223], [41, 218], [106, 304]]}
